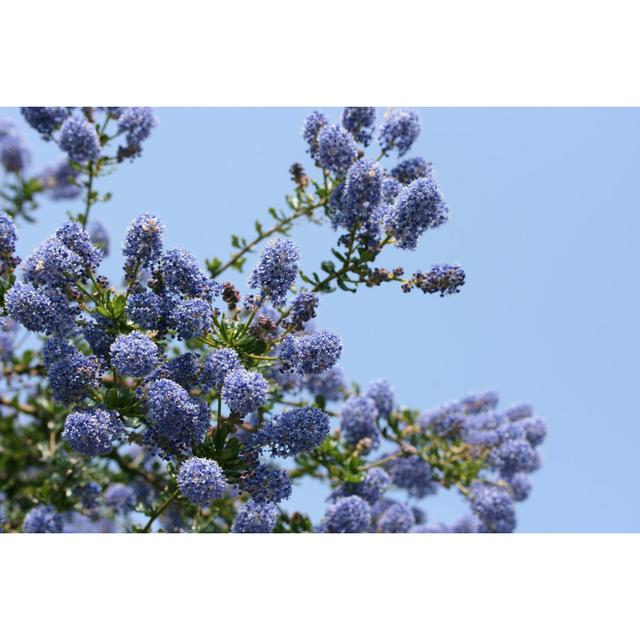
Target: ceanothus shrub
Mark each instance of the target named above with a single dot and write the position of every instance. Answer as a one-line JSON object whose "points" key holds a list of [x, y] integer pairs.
{"points": [[177, 401]]}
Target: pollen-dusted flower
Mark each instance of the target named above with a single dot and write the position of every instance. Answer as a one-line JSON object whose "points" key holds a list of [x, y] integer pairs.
{"points": [[337, 149], [72, 376], [142, 242], [362, 193], [137, 123], [276, 269], [359, 419], [60, 181], [311, 127]]}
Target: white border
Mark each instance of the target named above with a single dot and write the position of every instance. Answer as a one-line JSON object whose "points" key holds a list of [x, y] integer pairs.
{"points": [[287, 52], [320, 586]]}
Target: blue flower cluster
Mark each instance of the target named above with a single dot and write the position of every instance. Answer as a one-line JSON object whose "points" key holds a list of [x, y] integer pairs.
{"points": [[381, 392], [411, 169], [266, 483], [92, 431], [303, 309], [351, 514], [8, 236], [336, 148], [445, 279], [7, 339], [508, 441], [276, 270], [359, 121], [72, 376], [413, 474], [136, 123], [310, 353], [42, 519], [294, 432], [142, 244], [45, 120], [79, 138], [60, 181], [398, 518], [217, 366], [178, 420], [400, 129], [64, 259], [403, 202], [244, 391], [201, 481], [361, 195], [418, 207], [359, 420], [372, 488], [15, 155], [119, 497], [311, 127], [255, 517], [134, 354], [493, 505]]}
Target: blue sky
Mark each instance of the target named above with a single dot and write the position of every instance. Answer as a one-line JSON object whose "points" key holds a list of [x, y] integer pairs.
{"points": [[544, 206]]}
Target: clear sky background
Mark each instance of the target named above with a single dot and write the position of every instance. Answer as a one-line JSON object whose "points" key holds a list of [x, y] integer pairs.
{"points": [[544, 219]]}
